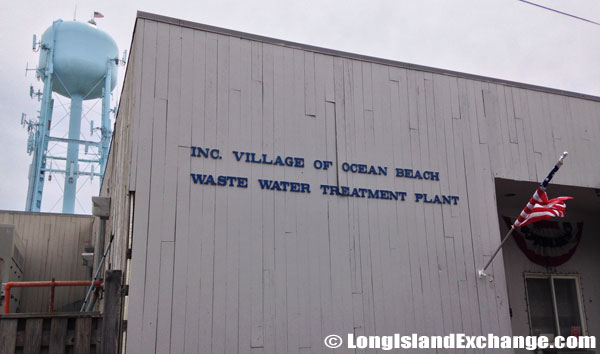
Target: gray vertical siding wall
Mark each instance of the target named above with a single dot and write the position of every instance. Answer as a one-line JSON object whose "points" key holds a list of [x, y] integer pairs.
{"points": [[54, 243], [224, 270]]}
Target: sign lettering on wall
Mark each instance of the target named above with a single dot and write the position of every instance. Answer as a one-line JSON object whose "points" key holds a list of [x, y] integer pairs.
{"points": [[324, 189]]}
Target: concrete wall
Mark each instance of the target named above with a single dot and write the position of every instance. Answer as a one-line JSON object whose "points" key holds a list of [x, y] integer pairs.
{"points": [[238, 270], [54, 243]]}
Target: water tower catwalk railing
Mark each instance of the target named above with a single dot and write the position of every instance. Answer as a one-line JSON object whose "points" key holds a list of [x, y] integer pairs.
{"points": [[68, 83]]}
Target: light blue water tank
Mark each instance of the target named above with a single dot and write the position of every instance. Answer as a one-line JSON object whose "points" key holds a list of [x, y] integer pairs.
{"points": [[81, 53]]}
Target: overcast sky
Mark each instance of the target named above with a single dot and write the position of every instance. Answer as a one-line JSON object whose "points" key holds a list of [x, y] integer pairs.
{"points": [[506, 39]]}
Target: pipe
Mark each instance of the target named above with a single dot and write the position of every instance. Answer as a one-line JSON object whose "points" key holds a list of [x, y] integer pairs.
{"points": [[100, 243], [87, 295], [41, 284], [52, 289]]}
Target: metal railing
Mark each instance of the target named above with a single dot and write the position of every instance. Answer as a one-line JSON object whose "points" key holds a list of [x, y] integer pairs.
{"points": [[43, 284]]}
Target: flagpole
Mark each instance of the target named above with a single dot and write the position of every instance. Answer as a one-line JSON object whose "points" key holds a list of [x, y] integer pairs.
{"points": [[481, 272]]}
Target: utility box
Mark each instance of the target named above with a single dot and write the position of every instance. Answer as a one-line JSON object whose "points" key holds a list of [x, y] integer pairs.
{"points": [[12, 262], [101, 207]]}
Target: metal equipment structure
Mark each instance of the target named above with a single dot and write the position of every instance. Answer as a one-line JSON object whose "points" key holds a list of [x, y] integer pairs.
{"points": [[77, 61], [12, 263]]}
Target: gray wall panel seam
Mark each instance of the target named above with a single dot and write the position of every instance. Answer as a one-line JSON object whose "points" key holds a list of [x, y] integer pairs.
{"points": [[337, 53]]}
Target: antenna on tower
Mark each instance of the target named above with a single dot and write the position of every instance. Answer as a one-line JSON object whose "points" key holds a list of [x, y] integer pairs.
{"points": [[75, 13], [95, 80]]}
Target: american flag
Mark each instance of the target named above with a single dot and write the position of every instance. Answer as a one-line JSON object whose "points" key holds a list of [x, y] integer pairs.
{"points": [[98, 15], [540, 208]]}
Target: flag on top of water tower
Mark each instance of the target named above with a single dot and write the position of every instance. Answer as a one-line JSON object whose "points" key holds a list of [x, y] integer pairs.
{"points": [[98, 15]]}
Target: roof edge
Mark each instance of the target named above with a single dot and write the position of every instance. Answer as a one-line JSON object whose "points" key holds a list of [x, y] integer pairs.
{"points": [[338, 53], [44, 213]]}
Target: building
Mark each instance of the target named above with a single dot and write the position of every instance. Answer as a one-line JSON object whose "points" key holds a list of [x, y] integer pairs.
{"points": [[52, 248], [265, 194]]}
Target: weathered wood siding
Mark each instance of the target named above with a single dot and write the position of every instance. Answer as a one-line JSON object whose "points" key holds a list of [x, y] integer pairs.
{"points": [[227, 270], [54, 243], [54, 333], [115, 183]]}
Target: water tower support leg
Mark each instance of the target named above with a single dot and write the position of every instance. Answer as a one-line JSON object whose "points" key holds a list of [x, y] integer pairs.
{"points": [[38, 164], [106, 129], [72, 167]]}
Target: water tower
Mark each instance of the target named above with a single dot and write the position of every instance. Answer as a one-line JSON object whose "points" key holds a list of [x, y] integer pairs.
{"points": [[77, 61]]}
